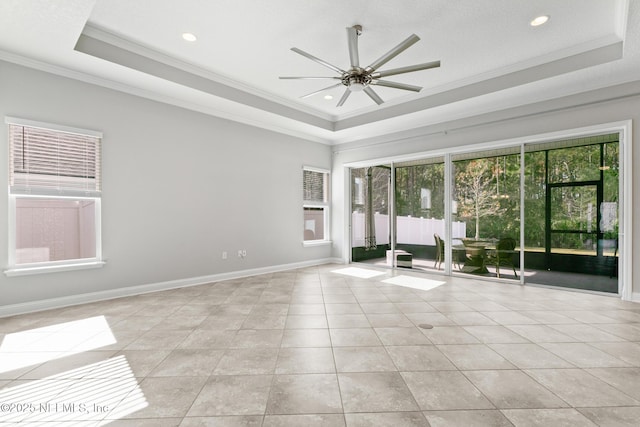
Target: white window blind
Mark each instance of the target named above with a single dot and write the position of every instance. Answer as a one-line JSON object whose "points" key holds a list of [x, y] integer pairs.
{"points": [[315, 189], [315, 186], [52, 162]]}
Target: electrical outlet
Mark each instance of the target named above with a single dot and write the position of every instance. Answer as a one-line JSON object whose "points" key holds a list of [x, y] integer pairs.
{"points": [[244, 253], [224, 254]]}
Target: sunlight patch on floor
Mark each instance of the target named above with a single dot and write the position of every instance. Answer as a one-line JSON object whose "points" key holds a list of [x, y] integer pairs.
{"points": [[95, 393], [361, 273], [414, 282], [34, 346]]}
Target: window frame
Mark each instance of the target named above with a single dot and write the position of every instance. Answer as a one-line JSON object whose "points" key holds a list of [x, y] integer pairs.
{"points": [[325, 206], [15, 269]]}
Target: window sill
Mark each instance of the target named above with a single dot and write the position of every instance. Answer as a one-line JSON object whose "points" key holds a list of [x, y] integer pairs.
{"points": [[316, 243], [25, 271]]}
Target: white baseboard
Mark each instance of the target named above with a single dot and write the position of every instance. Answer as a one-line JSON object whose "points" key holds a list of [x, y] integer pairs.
{"points": [[48, 304], [635, 297]]}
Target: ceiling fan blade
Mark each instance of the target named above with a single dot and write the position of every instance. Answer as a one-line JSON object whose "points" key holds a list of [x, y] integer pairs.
{"points": [[396, 85], [308, 78], [408, 69], [352, 38], [393, 53], [345, 95], [373, 95], [321, 90], [318, 60]]}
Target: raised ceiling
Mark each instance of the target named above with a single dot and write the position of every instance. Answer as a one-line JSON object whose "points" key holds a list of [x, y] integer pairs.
{"points": [[491, 57]]}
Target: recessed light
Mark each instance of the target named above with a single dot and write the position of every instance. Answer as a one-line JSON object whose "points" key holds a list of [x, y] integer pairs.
{"points": [[536, 22], [328, 97], [189, 37]]}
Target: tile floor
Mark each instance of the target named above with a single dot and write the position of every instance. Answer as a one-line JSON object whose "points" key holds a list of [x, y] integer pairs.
{"points": [[323, 346]]}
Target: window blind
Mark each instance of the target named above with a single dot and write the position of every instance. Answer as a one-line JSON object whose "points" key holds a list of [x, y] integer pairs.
{"points": [[314, 186], [52, 162]]}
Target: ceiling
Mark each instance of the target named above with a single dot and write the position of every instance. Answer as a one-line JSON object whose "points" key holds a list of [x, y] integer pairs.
{"points": [[491, 58]]}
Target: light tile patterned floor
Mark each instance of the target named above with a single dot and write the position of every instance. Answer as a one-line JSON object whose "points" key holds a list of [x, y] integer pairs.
{"points": [[318, 347]]}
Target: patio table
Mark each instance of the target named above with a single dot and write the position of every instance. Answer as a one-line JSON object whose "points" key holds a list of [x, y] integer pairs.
{"points": [[476, 254]]}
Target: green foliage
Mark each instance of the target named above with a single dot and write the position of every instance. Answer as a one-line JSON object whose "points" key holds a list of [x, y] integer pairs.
{"points": [[482, 191], [380, 177], [410, 181], [487, 192]]}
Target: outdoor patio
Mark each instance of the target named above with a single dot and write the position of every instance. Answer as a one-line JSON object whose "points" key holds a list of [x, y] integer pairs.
{"points": [[587, 282]]}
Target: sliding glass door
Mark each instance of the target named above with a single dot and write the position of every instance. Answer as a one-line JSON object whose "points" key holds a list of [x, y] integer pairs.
{"points": [[544, 213], [370, 214], [486, 213], [571, 211], [419, 207]]}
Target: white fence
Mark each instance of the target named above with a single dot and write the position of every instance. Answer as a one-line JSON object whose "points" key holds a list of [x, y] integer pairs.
{"points": [[409, 230]]}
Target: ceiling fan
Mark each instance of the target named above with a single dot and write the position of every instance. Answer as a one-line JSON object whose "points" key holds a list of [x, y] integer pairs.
{"points": [[358, 79]]}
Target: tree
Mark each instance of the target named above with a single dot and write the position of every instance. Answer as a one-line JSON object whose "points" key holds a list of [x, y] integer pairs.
{"points": [[411, 180], [535, 201], [476, 190], [487, 191], [380, 186]]}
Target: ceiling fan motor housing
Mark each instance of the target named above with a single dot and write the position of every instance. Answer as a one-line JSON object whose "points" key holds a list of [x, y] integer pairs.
{"points": [[356, 79]]}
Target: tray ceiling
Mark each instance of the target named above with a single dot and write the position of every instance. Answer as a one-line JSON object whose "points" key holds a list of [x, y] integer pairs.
{"points": [[491, 58]]}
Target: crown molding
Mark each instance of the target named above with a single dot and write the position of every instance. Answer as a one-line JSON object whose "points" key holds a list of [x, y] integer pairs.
{"points": [[266, 124]]}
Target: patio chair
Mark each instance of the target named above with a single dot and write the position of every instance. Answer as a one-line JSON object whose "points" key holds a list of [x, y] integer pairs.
{"points": [[440, 253], [503, 254]]}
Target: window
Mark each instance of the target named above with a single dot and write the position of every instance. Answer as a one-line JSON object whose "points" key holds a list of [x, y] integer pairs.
{"points": [[315, 186], [54, 197]]}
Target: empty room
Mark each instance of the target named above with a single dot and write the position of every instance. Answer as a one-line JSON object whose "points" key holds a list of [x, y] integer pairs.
{"points": [[286, 213]]}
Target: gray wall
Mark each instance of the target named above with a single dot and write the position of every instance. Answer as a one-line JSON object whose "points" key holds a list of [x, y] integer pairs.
{"points": [[516, 124], [179, 187]]}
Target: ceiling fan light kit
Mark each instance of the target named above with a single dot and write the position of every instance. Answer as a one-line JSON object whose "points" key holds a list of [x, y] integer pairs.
{"points": [[358, 79]]}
